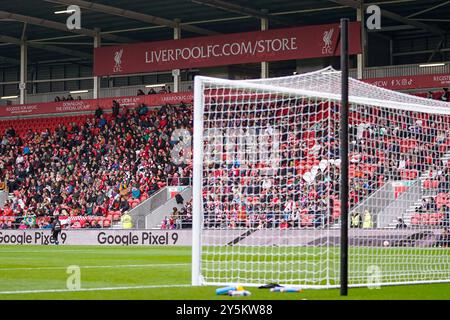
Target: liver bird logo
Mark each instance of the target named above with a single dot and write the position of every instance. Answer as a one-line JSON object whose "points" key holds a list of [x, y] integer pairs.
{"points": [[327, 42], [118, 60]]}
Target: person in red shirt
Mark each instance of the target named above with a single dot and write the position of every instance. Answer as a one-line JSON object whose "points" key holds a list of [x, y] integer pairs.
{"points": [[284, 224]]}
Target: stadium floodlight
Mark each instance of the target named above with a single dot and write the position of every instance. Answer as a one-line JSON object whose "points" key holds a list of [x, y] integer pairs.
{"points": [[266, 183], [155, 85], [65, 11], [439, 64], [78, 91]]}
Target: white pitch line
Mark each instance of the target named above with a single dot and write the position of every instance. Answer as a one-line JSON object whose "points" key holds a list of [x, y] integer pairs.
{"points": [[57, 251], [101, 266], [96, 289]]}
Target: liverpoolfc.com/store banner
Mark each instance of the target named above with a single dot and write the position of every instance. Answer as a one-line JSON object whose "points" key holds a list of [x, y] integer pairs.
{"points": [[248, 47]]}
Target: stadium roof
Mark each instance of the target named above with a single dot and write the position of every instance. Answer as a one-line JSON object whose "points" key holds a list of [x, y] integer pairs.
{"points": [[123, 21]]}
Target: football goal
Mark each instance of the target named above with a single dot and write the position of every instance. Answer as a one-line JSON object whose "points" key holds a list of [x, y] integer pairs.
{"points": [[266, 183]]}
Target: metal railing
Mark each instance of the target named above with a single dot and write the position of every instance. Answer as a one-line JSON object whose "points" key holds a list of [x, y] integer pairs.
{"points": [[401, 70], [185, 86]]}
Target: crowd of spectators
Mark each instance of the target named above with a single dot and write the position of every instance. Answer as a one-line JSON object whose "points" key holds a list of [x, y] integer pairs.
{"points": [[443, 95], [300, 188], [112, 162], [99, 168], [163, 89], [434, 208]]}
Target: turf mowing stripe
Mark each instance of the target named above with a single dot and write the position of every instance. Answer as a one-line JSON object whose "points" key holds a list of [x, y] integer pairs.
{"points": [[100, 266], [96, 289]]}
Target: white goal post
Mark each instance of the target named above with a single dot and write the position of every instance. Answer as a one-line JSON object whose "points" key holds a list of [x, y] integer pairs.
{"points": [[266, 173]]}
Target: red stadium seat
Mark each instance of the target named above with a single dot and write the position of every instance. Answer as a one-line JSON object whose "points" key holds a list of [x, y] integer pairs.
{"points": [[434, 219]]}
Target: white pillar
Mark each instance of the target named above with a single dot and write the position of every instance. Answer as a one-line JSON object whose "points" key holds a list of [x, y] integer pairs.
{"points": [[361, 57], [176, 72], [264, 64], [97, 44], [23, 72]]}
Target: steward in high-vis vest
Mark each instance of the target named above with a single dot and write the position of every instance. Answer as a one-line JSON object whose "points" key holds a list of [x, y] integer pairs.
{"points": [[355, 220], [126, 220], [367, 221]]}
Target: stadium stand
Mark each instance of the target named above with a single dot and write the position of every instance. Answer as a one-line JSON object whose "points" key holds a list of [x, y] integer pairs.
{"points": [[39, 145], [384, 147], [86, 169], [442, 95]]}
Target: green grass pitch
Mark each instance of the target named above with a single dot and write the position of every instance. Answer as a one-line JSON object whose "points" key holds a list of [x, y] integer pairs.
{"points": [[112, 272]]}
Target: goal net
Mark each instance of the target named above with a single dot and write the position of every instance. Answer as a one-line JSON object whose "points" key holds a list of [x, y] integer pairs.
{"points": [[266, 183]]}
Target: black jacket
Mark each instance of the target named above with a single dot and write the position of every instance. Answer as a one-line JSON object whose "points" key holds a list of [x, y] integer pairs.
{"points": [[56, 225]]}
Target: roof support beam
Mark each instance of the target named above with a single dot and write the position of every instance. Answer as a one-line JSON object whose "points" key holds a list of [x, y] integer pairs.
{"points": [[132, 15], [438, 48], [235, 8], [392, 28], [9, 60], [417, 24], [64, 51], [24, 32], [393, 16], [429, 9], [59, 26], [412, 53]]}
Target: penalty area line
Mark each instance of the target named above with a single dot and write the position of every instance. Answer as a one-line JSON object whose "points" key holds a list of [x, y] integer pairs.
{"points": [[96, 289]]}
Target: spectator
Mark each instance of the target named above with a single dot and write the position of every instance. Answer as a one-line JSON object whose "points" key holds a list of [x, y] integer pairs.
{"points": [[127, 221], [446, 215], [115, 109], [98, 112], [95, 225], [444, 239], [400, 224], [142, 109], [140, 93], [445, 95], [284, 224], [355, 221], [367, 220]]}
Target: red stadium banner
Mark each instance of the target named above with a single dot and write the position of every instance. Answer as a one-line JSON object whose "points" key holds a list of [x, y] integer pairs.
{"points": [[247, 47], [412, 82], [92, 104]]}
